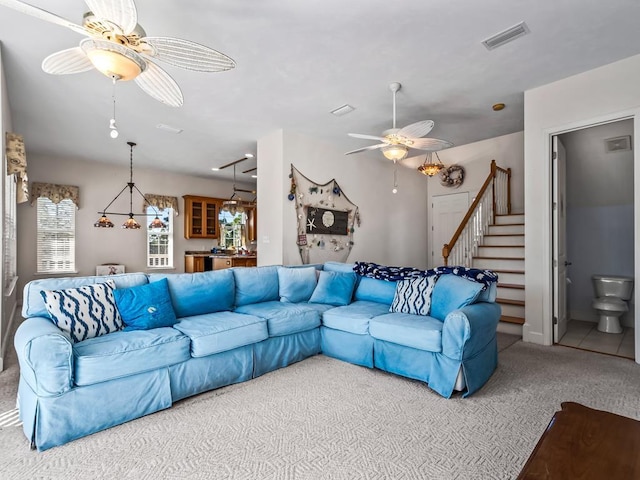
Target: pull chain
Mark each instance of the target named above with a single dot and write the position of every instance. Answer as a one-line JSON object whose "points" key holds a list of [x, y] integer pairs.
{"points": [[112, 122]]}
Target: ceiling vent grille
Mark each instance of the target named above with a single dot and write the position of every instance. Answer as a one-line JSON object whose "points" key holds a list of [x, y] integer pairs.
{"points": [[506, 36], [342, 110], [618, 144]]}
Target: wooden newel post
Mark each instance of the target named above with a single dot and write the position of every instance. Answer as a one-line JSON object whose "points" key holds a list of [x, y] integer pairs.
{"points": [[445, 254], [509, 191], [494, 170]]}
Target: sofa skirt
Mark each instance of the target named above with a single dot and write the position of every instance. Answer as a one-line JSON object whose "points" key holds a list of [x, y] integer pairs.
{"points": [[201, 374], [278, 352], [348, 347]]}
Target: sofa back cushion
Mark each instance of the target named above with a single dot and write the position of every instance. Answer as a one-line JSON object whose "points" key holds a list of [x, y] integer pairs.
{"points": [[338, 267], [374, 290], [146, 306], [296, 284], [85, 312], [33, 303], [256, 284], [198, 293], [452, 292]]}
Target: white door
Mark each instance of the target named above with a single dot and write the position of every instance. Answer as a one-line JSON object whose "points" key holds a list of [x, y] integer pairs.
{"points": [[447, 211], [559, 240]]}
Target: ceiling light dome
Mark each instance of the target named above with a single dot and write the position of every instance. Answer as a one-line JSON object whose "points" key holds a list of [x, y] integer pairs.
{"points": [[395, 152], [113, 59]]}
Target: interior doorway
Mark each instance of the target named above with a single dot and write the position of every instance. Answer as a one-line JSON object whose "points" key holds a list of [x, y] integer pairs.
{"points": [[593, 231], [447, 211]]}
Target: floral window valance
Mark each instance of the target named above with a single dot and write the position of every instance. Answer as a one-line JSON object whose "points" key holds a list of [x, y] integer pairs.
{"points": [[160, 202], [55, 193], [17, 164]]}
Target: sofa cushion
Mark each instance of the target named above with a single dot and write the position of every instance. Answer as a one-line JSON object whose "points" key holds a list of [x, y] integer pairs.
{"points": [[284, 318], [451, 293], [416, 331], [145, 306], [374, 290], [338, 267], [84, 312], [413, 295], [256, 284], [334, 288], [198, 293], [221, 331], [296, 284], [33, 303], [353, 318], [126, 353]]}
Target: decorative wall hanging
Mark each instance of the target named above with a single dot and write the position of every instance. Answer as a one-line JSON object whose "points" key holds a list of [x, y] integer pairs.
{"points": [[325, 219], [452, 176], [17, 164]]}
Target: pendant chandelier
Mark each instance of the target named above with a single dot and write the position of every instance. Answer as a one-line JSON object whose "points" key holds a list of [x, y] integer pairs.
{"points": [[235, 203], [429, 167], [131, 223]]}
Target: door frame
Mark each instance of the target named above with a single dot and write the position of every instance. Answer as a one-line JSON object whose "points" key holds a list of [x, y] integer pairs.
{"points": [[548, 300], [432, 225]]}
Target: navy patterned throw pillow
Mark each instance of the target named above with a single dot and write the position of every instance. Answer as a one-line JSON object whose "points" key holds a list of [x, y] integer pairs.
{"points": [[84, 312], [413, 296]]}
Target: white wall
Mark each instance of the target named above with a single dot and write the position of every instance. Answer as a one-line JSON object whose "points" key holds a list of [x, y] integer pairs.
{"points": [[393, 230], [99, 183], [506, 150], [600, 214], [599, 95]]}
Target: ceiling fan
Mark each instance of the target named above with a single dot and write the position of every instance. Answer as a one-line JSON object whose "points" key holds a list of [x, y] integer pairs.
{"points": [[119, 48], [397, 141]]}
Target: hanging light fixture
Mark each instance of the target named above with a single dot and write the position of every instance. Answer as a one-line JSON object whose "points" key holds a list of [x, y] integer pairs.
{"points": [[429, 168], [131, 223], [236, 203]]}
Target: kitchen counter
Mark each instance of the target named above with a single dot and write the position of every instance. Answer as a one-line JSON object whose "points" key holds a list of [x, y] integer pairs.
{"points": [[203, 261]]}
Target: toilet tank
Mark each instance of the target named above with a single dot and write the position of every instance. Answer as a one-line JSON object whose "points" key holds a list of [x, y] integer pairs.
{"points": [[612, 286]]}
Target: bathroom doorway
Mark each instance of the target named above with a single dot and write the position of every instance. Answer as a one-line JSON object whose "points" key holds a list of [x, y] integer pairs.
{"points": [[593, 232]]}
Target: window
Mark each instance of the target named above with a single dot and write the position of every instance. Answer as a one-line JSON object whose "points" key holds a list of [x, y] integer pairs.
{"points": [[232, 229], [56, 244], [160, 240], [9, 244]]}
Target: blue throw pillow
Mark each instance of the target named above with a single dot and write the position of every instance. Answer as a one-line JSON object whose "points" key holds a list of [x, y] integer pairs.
{"points": [[413, 295], [84, 312], [146, 306], [334, 288], [296, 284], [451, 293]]}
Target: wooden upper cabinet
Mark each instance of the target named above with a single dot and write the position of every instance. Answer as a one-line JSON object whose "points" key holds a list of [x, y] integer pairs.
{"points": [[201, 217]]}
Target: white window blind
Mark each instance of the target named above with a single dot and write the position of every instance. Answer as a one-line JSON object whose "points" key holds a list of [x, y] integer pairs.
{"points": [[160, 240], [9, 243], [56, 245]]}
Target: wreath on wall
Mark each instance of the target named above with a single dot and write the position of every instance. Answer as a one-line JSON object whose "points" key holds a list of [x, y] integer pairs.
{"points": [[452, 176]]}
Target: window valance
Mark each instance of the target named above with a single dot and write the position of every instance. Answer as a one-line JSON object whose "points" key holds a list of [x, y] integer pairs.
{"points": [[55, 193], [17, 164], [160, 202]]}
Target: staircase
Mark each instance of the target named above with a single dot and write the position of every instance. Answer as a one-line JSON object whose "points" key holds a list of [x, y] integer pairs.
{"points": [[502, 250]]}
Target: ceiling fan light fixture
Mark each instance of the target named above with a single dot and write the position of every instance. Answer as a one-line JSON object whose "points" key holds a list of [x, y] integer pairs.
{"points": [[395, 152], [113, 59]]}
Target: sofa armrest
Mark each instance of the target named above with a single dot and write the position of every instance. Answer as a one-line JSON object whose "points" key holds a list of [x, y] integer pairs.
{"points": [[468, 330], [45, 354]]}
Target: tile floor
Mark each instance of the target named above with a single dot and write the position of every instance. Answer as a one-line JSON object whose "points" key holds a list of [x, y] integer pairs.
{"points": [[586, 336]]}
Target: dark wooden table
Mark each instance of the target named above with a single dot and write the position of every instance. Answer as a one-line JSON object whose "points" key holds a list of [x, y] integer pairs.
{"points": [[582, 443]]}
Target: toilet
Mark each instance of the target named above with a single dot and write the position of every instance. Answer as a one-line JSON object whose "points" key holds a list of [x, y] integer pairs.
{"points": [[612, 293]]}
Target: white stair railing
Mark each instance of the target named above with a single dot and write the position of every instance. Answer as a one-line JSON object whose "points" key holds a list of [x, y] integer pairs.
{"points": [[494, 198]]}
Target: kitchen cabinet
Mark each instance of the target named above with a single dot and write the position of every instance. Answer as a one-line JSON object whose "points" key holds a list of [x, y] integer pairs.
{"points": [[220, 263], [201, 217]]}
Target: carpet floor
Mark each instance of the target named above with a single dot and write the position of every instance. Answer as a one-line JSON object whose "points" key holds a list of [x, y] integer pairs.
{"points": [[326, 419]]}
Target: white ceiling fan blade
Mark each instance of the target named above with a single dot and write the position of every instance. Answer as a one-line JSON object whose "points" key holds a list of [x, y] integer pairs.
{"points": [[42, 15], [159, 84], [187, 54], [72, 60], [367, 137], [417, 130], [431, 144], [121, 12], [364, 149]]}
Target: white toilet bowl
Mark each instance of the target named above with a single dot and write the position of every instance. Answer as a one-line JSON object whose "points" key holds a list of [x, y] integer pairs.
{"points": [[610, 303]]}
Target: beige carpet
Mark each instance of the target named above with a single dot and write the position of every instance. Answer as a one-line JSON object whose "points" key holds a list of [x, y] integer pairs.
{"points": [[326, 419]]}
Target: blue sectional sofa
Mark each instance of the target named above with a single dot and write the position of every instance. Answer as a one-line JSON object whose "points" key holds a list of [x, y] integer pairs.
{"points": [[233, 325]]}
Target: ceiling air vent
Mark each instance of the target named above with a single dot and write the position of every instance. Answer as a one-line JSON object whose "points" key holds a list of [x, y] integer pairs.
{"points": [[342, 110], [506, 36], [618, 144]]}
